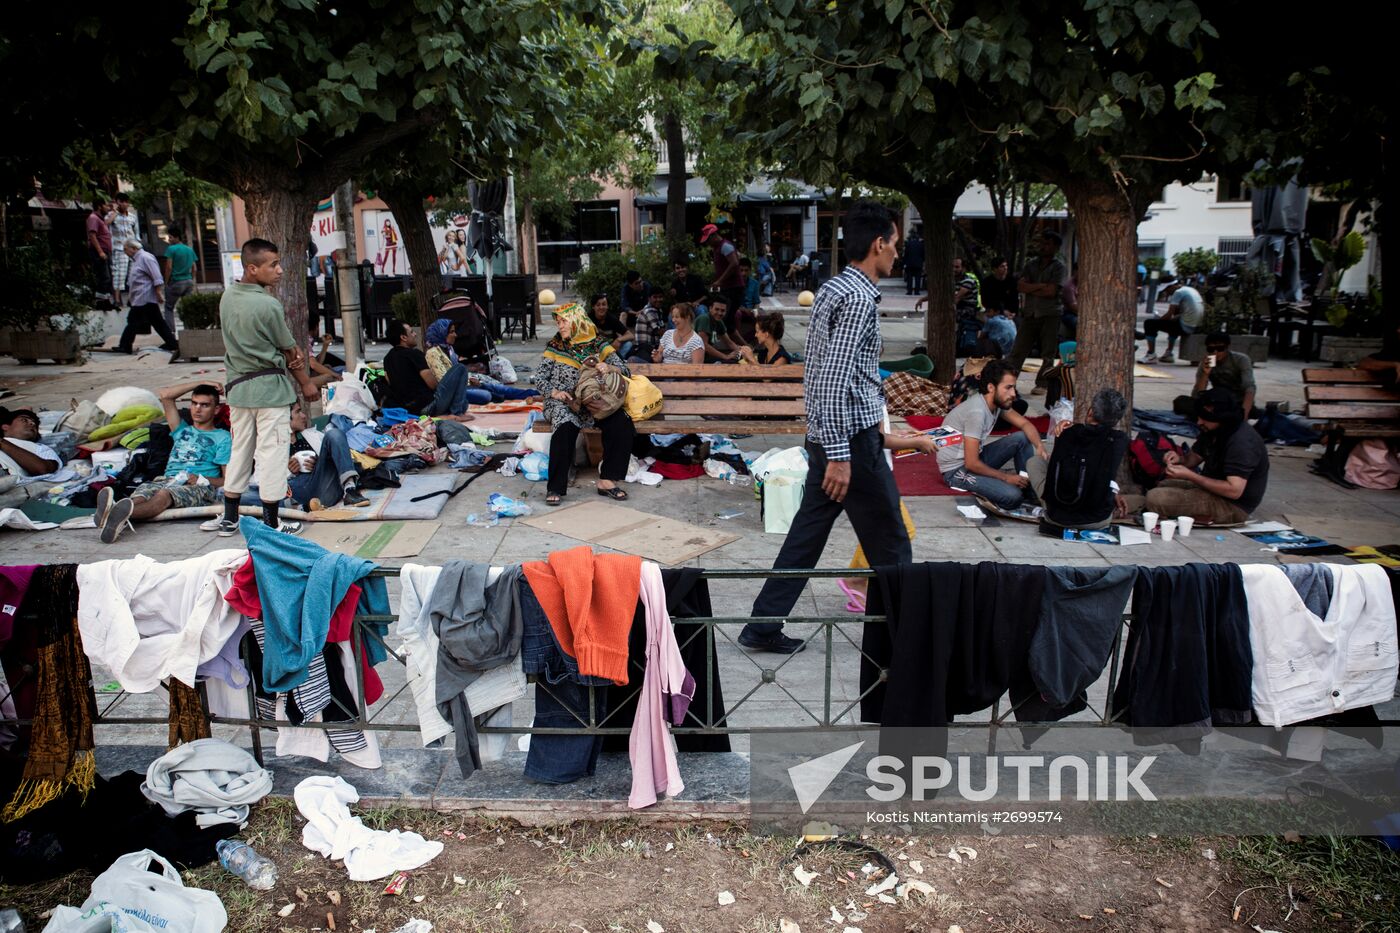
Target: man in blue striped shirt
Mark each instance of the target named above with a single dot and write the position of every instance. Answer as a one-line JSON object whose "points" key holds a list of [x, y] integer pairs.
{"points": [[846, 466]]}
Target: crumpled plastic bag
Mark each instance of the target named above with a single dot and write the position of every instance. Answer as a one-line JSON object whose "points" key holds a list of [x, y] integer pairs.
{"points": [[779, 458]]}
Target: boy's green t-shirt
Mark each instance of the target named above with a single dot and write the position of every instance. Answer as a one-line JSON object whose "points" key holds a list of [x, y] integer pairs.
{"points": [[181, 262], [255, 334]]}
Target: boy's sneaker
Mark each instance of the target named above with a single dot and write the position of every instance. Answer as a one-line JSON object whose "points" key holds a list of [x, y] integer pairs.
{"points": [[223, 526], [1150, 358], [354, 498], [117, 520], [1167, 358], [105, 497], [288, 527]]}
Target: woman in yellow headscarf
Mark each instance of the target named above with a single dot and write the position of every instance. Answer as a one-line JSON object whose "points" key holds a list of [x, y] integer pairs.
{"points": [[576, 345]]}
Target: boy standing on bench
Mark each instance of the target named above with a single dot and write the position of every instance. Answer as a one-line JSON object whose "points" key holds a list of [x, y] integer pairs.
{"points": [[262, 360], [846, 468]]}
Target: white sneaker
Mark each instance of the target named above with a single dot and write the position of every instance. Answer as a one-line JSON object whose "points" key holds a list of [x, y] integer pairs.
{"points": [[224, 527], [1149, 359], [287, 527], [1166, 358]]}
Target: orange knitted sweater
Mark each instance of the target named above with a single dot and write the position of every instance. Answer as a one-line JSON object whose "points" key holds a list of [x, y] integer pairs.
{"points": [[590, 600]]}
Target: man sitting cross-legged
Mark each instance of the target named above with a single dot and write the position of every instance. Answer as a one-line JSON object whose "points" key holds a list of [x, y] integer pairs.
{"points": [[198, 454], [975, 465]]}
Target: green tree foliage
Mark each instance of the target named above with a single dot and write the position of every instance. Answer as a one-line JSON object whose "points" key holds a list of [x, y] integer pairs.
{"points": [[1193, 262], [280, 102]]}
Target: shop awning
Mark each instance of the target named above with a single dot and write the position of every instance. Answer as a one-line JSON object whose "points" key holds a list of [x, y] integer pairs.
{"points": [[760, 191]]}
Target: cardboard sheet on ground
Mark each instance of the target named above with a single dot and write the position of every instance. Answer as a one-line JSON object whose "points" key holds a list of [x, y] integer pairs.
{"points": [[374, 540], [1346, 531], [652, 537]]}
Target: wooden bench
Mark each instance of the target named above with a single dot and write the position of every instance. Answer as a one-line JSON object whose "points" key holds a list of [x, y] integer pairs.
{"points": [[1354, 405], [747, 399]]}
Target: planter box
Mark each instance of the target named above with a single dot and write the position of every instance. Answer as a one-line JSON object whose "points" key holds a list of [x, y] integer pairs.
{"points": [[195, 344], [5, 334], [60, 346], [1193, 346], [1348, 350]]}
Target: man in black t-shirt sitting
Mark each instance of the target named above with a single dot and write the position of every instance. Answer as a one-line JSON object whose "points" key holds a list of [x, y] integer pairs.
{"points": [[412, 385], [1223, 479]]}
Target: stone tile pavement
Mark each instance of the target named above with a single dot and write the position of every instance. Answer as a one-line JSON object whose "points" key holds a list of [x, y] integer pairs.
{"points": [[942, 535]]}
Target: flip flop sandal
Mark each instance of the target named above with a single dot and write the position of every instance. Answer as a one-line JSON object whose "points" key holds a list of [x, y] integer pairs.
{"points": [[553, 499], [616, 494], [856, 599]]}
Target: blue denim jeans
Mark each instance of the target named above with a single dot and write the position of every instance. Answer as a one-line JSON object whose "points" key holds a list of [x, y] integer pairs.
{"points": [[996, 455], [454, 394], [334, 468], [561, 701]]}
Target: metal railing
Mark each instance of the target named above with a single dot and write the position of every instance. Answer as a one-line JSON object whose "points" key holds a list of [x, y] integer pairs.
{"points": [[702, 718]]}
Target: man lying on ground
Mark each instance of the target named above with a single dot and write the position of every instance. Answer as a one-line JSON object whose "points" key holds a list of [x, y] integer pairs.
{"points": [[976, 465], [194, 473], [21, 454], [1223, 479]]}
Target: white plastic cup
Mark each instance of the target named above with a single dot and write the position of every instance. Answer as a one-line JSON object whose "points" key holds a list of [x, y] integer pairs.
{"points": [[1168, 529], [1149, 521], [1183, 524]]}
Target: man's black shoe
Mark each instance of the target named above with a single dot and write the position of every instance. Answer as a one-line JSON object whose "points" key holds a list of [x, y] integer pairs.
{"points": [[777, 643]]}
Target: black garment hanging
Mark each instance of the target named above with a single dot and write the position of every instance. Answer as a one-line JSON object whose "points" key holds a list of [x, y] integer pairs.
{"points": [[1188, 663]]}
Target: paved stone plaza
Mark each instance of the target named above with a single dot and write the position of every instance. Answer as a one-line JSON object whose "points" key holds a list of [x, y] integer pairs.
{"points": [[942, 535]]}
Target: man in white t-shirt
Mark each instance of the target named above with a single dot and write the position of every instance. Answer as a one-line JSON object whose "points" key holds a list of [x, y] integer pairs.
{"points": [[21, 454], [1186, 312]]}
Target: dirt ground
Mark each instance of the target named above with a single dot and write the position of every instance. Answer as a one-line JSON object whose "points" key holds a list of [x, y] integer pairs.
{"points": [[619, 876]]}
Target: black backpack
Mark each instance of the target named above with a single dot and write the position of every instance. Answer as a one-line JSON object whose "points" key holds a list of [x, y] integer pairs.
{"points": [[1084, 461]]}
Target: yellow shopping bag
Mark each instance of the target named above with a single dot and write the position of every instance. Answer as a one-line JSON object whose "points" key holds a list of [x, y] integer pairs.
{"points": [[643, 398]]}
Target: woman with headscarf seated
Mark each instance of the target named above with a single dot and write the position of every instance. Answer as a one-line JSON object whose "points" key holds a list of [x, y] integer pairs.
{"points": [[481, 388], [578, 345]]}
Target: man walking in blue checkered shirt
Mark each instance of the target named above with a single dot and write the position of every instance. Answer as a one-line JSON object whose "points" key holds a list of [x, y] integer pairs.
{"points": [[846, 466]]}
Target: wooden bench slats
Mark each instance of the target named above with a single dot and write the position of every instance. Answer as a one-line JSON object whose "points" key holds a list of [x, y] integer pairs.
{"points": [[668, 426], [1339, 377], [1354, 411], [713, 371], [776, 390], [731, 406], [1353, 393]]}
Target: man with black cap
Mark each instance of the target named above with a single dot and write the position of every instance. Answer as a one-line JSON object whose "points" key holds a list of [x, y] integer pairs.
{"points": [[1222, 480], [21, 454], [729, 278]]}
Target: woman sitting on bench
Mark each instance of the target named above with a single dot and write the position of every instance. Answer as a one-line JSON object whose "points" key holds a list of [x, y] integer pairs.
{"points": [[681, 344], [578, 344], [768, 337]]}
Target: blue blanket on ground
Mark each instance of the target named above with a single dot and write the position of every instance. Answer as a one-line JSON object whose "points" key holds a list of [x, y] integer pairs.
{"points": [[300, 584]]}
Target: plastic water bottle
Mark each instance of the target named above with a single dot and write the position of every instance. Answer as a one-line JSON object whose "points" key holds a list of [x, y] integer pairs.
{"points": [[735, 478], [240, 858]]}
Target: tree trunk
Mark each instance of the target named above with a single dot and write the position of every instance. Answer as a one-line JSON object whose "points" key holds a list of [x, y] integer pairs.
{"points": [[940, 325], [1107, 235], [407, 207], [282, 214], [676, 178]]}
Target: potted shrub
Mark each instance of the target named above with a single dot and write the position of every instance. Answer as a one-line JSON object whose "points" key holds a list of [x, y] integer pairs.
{"points": [[404, 307], [199, 332], [1355, 318], [44, 316]]}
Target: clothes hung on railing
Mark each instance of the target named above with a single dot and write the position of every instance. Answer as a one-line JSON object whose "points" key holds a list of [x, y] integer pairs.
{"points": [[1187, 663]]}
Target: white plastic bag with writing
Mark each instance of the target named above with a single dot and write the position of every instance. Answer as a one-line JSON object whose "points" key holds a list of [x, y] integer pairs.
{"points": [[147, 901]]}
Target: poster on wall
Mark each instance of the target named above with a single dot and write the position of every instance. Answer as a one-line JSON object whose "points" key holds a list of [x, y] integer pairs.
{"points": [[384, 243]]}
